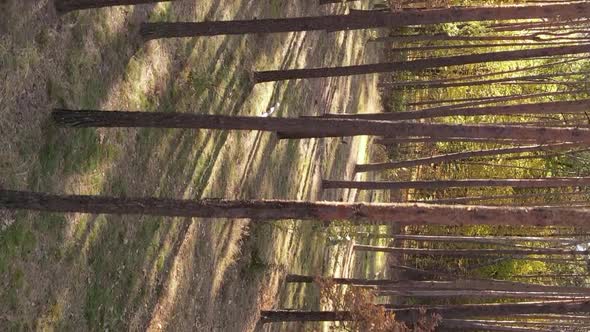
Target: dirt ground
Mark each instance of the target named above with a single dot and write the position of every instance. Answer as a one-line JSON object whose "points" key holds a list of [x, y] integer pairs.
{"points": [[84, 272]]}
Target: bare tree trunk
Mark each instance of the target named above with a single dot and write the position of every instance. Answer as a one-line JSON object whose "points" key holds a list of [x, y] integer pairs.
{"points": [[366, 20], [445, 37], [269, 316], [301, 210], [575, 106], [472, 46], [551, 276], [414, 65], [455, 200], [470, 252], [311, 127], [459, 156], [554, 325], [444, 184], [480, 239], [327, 2], [412, 314], [482, 293], [511, 71], [458, 325], [436, 84], [493, 100], [475, 163], [65, 6], [397, 140], [340, 281]]}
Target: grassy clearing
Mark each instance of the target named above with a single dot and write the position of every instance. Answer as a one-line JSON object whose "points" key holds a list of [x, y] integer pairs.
{"points": [[86, 272]]}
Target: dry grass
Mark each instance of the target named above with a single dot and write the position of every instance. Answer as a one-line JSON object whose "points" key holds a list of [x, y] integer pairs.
{"points": [[81, 272]]}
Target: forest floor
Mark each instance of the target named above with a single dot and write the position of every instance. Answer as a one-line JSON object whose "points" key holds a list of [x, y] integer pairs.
{"points": [[88, 272]]}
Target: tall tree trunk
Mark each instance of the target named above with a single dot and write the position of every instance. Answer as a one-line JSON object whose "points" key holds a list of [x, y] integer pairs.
{"points": [[444, 36], [480, 239], [472, 46], [473, 284], [469, 252], [533, 169], [269, 316], [492, 309], [311, 127], [492, 100], [65, 6], [551, 276], [511, 71], [459, 156], [360, 21], [555, 324], [575, 106], [454, 200], [464, 183], [481, 293], [414, 65], [398, 140], [458, 325], [435, 84], [301, 210], [327, 2]]}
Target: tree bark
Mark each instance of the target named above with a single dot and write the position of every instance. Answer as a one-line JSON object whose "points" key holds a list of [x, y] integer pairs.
{"points": [[470, 252], [301, 210], [473, 284], [269, 316], [414, 65], [511, 71], [65, 6], [455, 200], [493, 309], [359, 168], [361, 21], [521, 323], [437, 84], [469, 102], [312, 127], [398, 140], [464, 183], [480, 239], [457, 325], [575, 106], [481, 293], [472, 46], [327, 2]]}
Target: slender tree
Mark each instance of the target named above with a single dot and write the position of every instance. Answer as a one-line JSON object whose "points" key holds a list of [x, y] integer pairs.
{"points": [[470, 252], [444, 184], [65, 6], [480, 239], [491, 326], [494, 100], [481, 293], [445, 37], [413, 313], [310, 127], [543, 195], [415, 65], [367, 20], [399, 140], [459, 156], [574, 106], [424, 48], [435, 84], [301, 210]]}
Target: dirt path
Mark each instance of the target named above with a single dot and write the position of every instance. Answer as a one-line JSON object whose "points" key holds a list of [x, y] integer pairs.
{"points": [[80, 272]]}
